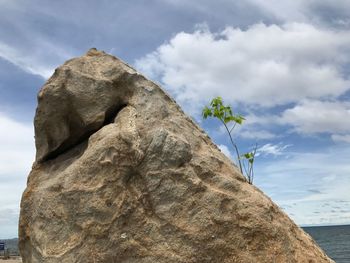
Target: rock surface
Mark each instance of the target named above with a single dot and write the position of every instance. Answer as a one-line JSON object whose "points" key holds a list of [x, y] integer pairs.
{"points": [[123, 175]]}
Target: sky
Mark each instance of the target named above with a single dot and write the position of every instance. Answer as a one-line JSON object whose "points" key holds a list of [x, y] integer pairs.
{"points": [[284, 65]]}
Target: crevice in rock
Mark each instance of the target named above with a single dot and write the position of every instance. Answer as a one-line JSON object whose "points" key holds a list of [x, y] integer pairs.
{"points": [[110, 114]]}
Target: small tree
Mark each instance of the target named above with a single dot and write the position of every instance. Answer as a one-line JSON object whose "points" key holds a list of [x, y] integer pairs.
{"points": [[225, 115]]}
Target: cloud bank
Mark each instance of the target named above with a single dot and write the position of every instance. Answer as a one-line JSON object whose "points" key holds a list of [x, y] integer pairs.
{"points": [[263, 65], [296, 66]]}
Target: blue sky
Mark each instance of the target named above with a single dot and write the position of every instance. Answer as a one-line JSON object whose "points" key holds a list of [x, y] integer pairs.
{"points": [[284, 65]]}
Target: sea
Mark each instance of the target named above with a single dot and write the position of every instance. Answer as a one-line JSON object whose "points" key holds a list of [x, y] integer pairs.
{"points": [[334, 240]]}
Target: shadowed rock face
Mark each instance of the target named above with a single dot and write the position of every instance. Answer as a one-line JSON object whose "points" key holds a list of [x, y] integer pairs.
{"points": [[123, 175]]}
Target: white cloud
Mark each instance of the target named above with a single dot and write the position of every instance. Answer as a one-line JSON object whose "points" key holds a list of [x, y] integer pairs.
{"points": [[341, 138], [286, 10], [7, 216], [256, 134], [312, 116], [321, 12], [8, 222], [259, 127], [263, 65], [33, 61], [16, 157], [23, 61], [327, 212], [309, 182], [17, 146], [272, 149]]}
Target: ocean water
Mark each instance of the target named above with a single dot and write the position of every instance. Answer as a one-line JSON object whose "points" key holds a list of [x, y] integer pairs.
{"points": [[334, 240]]}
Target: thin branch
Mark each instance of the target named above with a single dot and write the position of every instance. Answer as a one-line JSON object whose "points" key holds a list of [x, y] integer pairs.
{"points": [[234, 145], [245, 170], [251, 171], [234, 125]]}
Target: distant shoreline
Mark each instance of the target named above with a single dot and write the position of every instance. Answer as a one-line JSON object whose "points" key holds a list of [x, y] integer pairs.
{"points": [[303, 226]]}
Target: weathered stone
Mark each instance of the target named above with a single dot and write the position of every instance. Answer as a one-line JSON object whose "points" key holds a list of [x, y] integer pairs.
{"points": [[122, 175]]}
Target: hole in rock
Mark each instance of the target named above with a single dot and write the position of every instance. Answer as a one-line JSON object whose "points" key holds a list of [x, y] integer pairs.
{"points": [[80, 133]]}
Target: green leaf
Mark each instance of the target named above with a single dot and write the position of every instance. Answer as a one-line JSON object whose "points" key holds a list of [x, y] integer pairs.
{"points": [[206, 112], [227, 119], [216, 102], [246, 155], [216, 113], [239, 119]]}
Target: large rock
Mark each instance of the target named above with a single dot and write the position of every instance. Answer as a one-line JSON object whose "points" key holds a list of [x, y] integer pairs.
{"points": [[123, 175]]}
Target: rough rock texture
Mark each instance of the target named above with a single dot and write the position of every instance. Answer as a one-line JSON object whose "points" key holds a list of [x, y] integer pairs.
{"points": [[123, 175]]}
